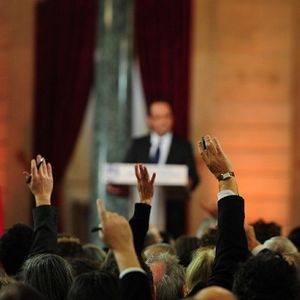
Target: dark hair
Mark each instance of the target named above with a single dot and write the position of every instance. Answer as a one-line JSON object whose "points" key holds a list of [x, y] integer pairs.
{"points": [[50, 274], [82, 265], [184, 247], [95, 285], [20, 291], [69, 246], [294, 237], [209, 238], [266, 276], [264, 230], [14, 247]]}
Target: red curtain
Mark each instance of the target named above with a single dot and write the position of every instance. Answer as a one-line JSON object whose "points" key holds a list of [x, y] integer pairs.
{"points": [[162, 44], [65, 39]]}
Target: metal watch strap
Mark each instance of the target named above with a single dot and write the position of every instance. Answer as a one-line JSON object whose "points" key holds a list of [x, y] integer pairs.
{"points": [[225, 176]]}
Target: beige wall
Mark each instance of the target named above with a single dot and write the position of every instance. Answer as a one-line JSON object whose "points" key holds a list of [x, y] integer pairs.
{"points": [[16, 73], [241, 92]]}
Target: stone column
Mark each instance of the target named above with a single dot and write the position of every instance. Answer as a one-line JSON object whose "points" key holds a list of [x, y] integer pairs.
{"points": [[112, 93]]}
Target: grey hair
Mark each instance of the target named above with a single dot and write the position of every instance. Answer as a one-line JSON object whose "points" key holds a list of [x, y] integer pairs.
{"points": [[280, 244], [50, 274], [170, 287]]}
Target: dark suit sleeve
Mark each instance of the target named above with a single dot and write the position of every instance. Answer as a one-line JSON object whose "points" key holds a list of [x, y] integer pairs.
{"points": [[139, 224], [45, 230], [232, 245], [135, 286]]}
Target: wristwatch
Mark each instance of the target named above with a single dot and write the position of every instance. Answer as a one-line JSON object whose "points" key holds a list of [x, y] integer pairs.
{"points": [[225, 176]]}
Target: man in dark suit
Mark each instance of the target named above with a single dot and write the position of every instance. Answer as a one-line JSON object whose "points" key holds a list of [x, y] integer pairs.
{"points": [[162, 146]]}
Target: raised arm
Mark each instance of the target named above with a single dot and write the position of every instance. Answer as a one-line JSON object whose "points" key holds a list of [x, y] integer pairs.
{"points": [[231, 246], [140, 220], [116, 233], [44, 215]]}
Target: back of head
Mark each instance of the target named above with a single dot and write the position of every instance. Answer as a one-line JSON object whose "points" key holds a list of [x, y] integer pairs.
{"points": [[69, 246], [50, 274], [184, 247], [264, 230], [94, 252], [157, 249], [168, 276], [14, 247], [82, 265], [215, 293], [280, 244], [200, 268], [94, 286], [20, 291], [266, 276], [294, 236]]}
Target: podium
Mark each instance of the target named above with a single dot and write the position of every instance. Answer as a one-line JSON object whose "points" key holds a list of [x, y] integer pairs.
{"points": [[173, 178]]}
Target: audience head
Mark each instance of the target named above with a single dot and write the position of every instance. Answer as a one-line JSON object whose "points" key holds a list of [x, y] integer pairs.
{"points": [[99, 285], [20, 291], [168, 276], [280, 244], [14, 247], [209, 238], [83, 265], [157, 249], [50, 274], [93, 252], [266, 276], [184, 247], [294, 236], [160, 117], [152, 237], [200, 269], [264, 230], [215, 293], [69, 246]]}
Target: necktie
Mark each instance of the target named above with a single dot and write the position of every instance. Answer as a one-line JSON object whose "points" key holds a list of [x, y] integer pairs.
{"points": [[155, 157]]}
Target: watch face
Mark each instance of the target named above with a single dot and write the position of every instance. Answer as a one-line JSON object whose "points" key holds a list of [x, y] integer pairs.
{"points": [[226, 175]]}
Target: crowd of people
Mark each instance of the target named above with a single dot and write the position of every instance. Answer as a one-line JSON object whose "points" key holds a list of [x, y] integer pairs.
{"points": [[231, 261]]}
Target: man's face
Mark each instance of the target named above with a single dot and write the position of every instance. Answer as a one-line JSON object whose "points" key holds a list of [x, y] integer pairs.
{"points": [[160, 118]]}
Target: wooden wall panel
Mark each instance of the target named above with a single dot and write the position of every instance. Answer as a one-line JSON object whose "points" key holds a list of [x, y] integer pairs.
{"points": [[247, 96]]}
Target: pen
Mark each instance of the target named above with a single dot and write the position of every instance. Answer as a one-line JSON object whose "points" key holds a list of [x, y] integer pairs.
{"points": [[204, 144], [96, 229]]}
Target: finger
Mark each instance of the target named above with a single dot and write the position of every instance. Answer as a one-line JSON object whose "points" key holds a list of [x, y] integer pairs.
{"points": [[152, 178], [49, 170], [43, 167], [218, 145], [101, 210], [34, 171], [137, 172], [38, 158], [145, 173], [27, 175], [210, 144]]}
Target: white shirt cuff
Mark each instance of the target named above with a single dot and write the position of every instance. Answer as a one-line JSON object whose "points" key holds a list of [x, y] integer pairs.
{"points": [[129, 270], [225, 193]]}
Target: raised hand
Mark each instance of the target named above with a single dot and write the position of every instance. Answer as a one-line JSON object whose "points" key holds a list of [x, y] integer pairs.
{"points": [[116, 232], [218, 163], [41, 182], [144, 184], [213, 156]]}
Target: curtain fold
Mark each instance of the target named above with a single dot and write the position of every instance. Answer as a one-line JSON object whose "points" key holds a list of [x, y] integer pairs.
{"points": [[65, 39], [162, 45]]}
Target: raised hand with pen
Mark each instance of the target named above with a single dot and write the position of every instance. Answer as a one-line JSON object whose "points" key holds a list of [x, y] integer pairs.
{"points": [[40, 180]]}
